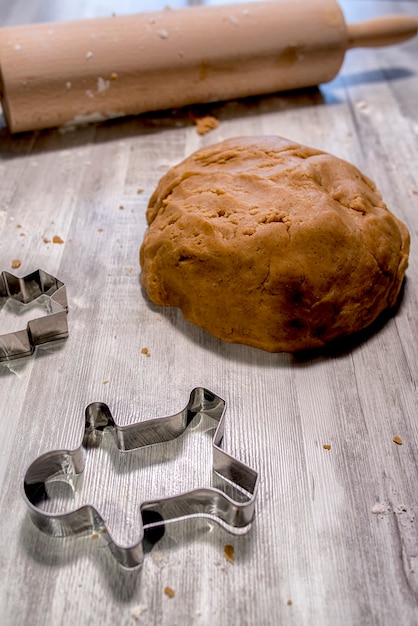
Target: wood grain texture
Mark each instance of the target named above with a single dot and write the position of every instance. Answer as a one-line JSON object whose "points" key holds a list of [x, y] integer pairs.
{"points": [[335, 539]]}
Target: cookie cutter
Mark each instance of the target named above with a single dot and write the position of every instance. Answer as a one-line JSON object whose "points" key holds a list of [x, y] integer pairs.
{"points": [[45, 329], [235, 514]]}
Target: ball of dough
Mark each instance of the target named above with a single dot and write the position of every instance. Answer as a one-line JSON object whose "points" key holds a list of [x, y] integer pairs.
{"points": [[265, 242]]}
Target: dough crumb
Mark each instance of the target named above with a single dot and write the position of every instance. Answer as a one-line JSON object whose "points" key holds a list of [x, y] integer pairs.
{"points": [[95, 536], [114, 76], [16, 263], [102, 84], [57, 239], [205, 124], [229, 553], [169, 592], [145, 351], [326, 446], [380, 509], [137, 611], [397, 440]]}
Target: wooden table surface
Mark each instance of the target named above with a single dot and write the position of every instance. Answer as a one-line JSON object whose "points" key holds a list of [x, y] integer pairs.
{"points": [[335, 535]]}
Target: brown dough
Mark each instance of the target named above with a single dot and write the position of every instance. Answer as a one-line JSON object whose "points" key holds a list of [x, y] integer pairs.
{"points": [[265, 242]]}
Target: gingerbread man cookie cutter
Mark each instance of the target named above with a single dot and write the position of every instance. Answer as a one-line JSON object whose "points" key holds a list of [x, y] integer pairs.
{"points": [[41, 330], [235, 514]]}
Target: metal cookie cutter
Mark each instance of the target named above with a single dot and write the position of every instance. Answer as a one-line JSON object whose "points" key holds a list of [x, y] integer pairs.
{"points": [[233, 513], [50, 327]]}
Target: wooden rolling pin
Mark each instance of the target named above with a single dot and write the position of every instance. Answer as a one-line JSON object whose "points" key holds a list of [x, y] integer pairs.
{"points": [[89, 70]]}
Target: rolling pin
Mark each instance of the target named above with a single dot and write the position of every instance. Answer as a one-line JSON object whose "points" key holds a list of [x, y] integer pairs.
{"points": [[65, 73]]}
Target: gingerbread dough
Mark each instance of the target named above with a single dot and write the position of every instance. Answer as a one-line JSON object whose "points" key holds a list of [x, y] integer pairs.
{"points": [[265, 242]]}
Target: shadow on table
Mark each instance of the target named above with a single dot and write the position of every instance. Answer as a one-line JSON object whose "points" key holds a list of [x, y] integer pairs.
{"points": [[338, 348], [387, 74], [56, 552], [31, 143], [52, 553]]}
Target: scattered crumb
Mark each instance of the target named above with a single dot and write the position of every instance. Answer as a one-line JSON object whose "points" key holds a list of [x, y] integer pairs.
{"points": [[145, 351], [18, 225], [22, 234], [130, 270], [379, 509], [415, 192], [289, 602], [169, 592], [106, 382], [229, 553], [46, 240], [206, 124], [140, 190], [89, 54], [57, 239], [137, 611], [362, 105], [326, 446], [16, 263], [113, 76], [159, 557], [100, 230], [102, 84], [163, 34], [121, 207], [397, 440], [95, 536]]}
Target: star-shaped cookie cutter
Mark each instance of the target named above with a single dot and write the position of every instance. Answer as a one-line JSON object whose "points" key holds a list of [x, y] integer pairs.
{"points": [[233, 513], [41, 330]]}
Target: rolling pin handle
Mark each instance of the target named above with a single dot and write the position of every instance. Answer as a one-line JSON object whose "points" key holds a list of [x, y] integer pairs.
{"points": [[381, 31]]}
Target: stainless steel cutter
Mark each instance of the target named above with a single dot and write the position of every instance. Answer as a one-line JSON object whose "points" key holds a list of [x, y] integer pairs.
{"points": [[41, 330], [234, 512]]}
